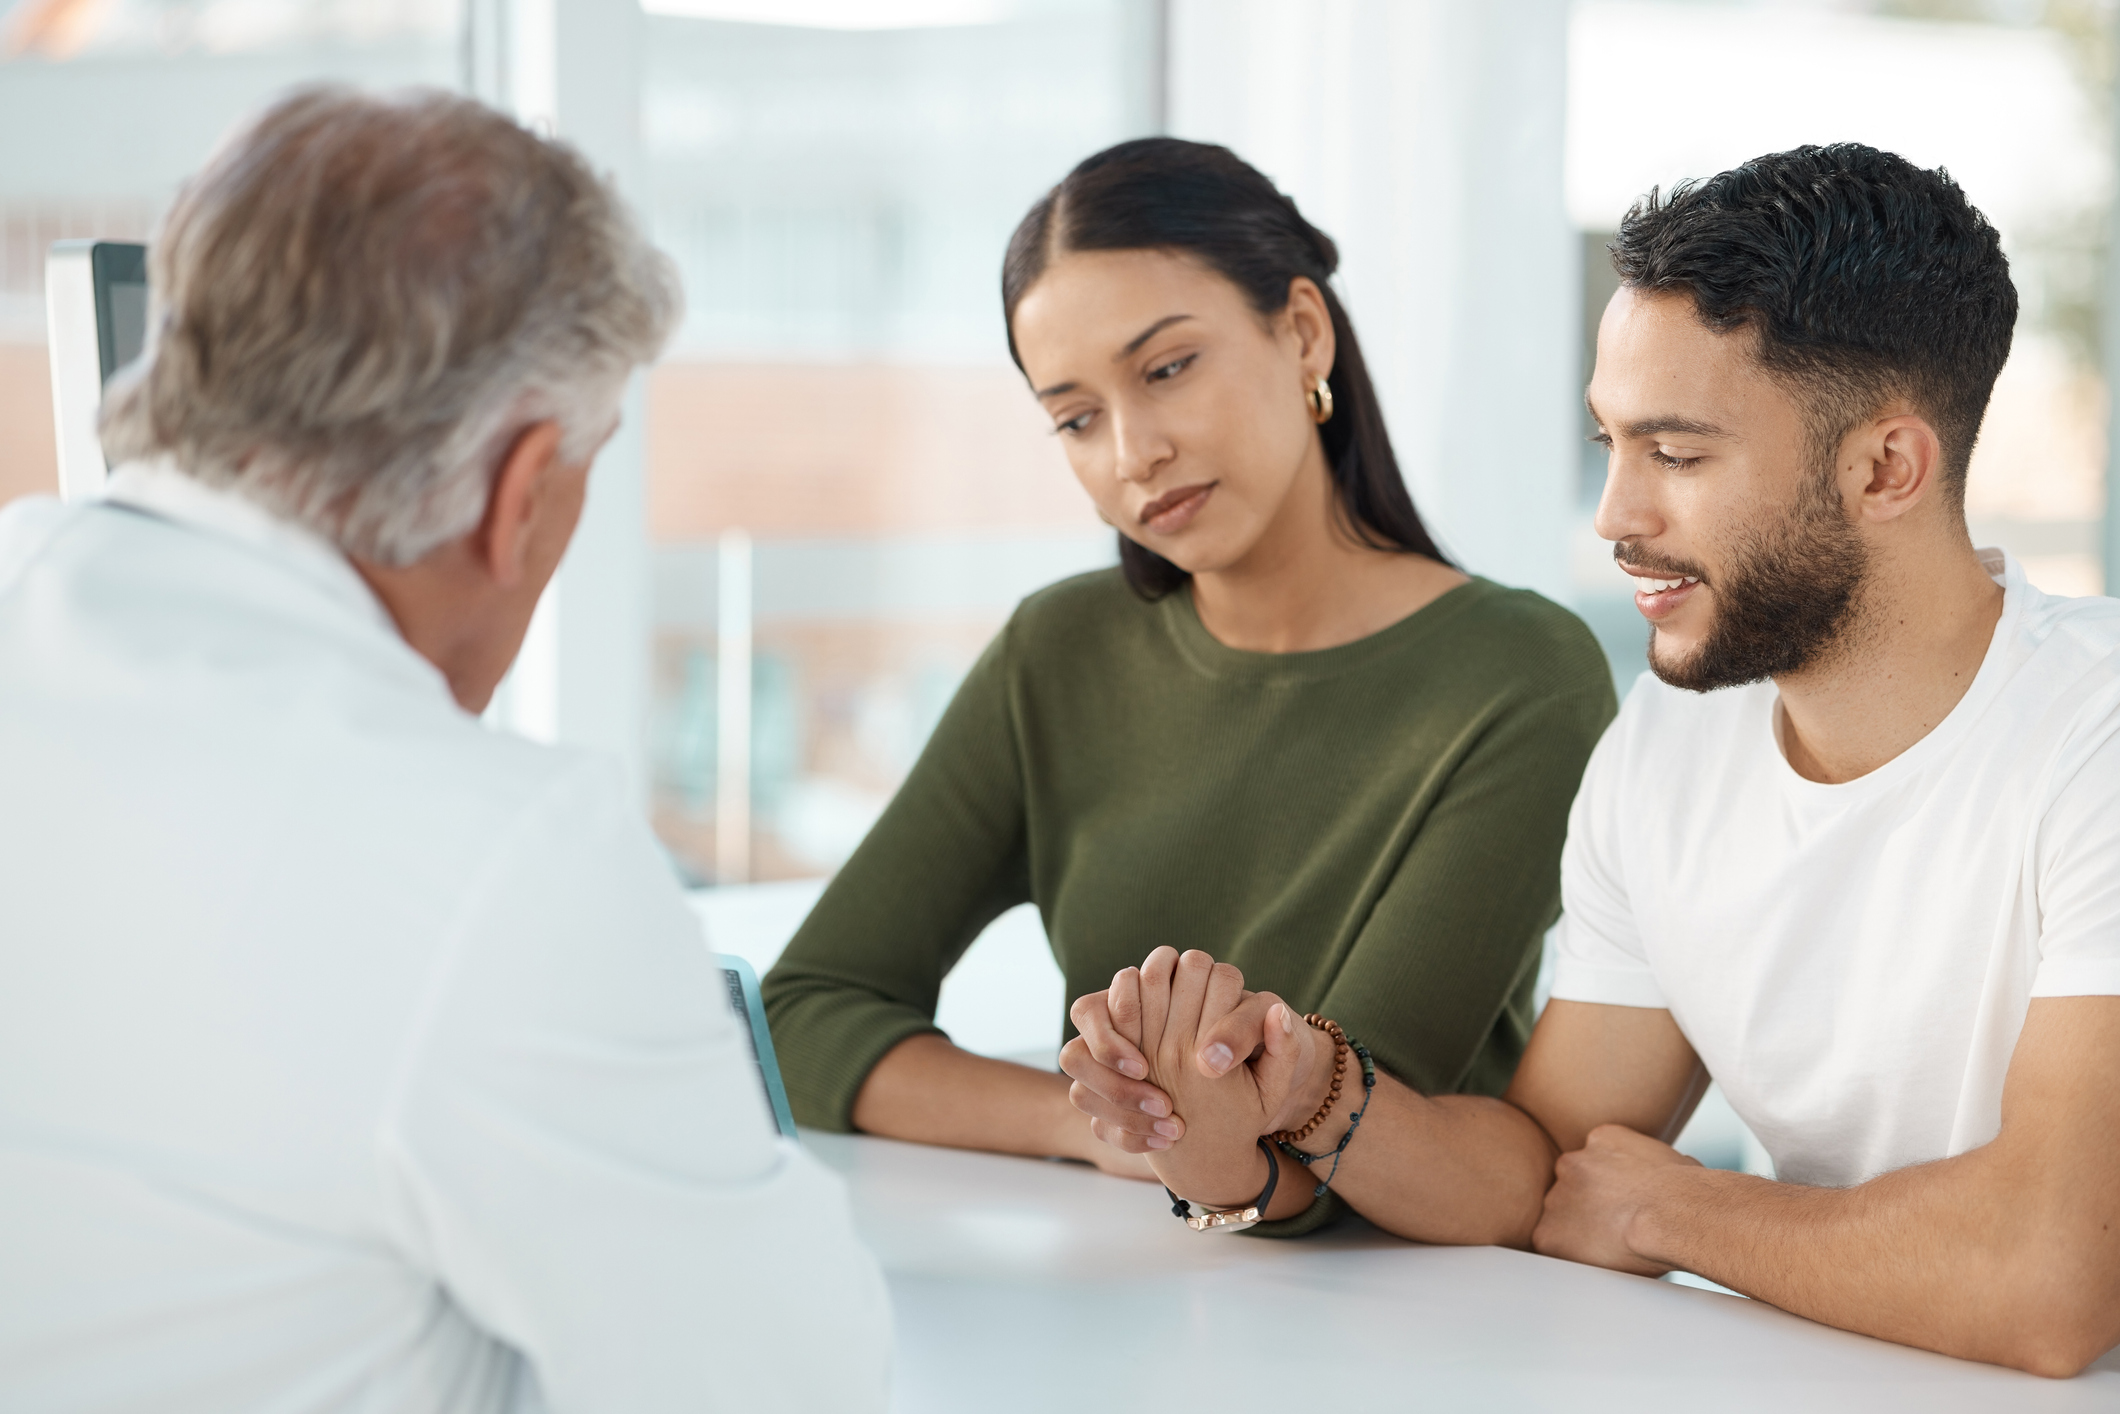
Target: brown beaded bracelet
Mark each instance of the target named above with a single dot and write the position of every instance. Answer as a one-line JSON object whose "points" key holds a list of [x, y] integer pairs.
{"points": [[1339, 1074]]}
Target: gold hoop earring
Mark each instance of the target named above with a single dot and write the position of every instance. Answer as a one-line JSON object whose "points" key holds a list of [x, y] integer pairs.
{"points": [[1321, 401]]}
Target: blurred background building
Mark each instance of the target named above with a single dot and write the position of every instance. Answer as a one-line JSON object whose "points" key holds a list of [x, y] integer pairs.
{"points": [[835, 488]]}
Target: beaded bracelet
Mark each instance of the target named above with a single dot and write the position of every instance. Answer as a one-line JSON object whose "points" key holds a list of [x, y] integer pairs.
{"points": [[1369, 1085], [1339, 1073]]}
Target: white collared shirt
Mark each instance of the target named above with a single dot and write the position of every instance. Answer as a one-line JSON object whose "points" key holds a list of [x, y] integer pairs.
{"points": [[353, 1057], [1853, 962]]}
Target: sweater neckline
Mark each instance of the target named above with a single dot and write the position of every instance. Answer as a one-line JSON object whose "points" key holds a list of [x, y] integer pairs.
{"points": [[1217, 659]]}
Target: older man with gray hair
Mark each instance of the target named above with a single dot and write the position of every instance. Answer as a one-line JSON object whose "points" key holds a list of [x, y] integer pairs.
{"points": [[353, 1056]]}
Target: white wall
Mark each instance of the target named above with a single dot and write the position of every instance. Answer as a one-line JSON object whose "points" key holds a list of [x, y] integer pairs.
{"points": [[1426, 137], [573, 67]]}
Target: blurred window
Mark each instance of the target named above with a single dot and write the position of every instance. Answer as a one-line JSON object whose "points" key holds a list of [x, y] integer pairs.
{"points": [[837, 179], [106, 105], [839, 443]]}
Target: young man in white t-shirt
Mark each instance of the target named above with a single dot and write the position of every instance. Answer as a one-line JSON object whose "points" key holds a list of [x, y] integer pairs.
{"points": [[1856, 857]]}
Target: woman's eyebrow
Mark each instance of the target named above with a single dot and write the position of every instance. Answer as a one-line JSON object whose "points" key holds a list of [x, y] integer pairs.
{"points": [[1128, 352], [1149, 333]]}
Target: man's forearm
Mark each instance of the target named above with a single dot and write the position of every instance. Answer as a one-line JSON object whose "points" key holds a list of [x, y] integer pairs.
{"points": [[1959, 1256], [1458, 1169], [1462, 1169]]}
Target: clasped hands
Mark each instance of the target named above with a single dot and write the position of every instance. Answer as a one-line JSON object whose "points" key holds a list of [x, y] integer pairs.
{"points": [[1176, 1061]]}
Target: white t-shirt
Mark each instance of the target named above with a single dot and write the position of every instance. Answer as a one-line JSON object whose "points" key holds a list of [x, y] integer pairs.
{"points": [[352, 1056], [1853, 962]]}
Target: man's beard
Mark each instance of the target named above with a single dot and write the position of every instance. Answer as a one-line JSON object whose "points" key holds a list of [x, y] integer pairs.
{"points": [[1785, 603]]}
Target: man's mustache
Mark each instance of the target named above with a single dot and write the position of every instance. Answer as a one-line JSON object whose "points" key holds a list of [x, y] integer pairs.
{"points": [[1636, 559]]}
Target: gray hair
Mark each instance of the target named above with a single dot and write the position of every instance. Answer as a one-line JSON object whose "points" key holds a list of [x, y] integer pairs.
{"points": [[363, 301]]}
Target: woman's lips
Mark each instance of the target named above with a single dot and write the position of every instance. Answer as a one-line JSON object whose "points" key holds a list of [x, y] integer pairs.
{"points": [[1172, 511]]}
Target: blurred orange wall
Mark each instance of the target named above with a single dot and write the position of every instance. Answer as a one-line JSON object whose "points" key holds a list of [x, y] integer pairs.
{"points": [[800, 450], [851, 450], [29, 454]]}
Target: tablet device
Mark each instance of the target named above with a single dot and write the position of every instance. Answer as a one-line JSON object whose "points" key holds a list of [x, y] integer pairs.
{"points": [[95, 296], [751, 1016]]}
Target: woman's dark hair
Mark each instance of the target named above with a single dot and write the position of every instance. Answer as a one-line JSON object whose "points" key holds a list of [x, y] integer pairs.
{"points": [[1198, 200]]}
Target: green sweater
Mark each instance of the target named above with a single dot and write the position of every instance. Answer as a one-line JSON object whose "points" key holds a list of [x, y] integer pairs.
{"points": [[1371, 831]]}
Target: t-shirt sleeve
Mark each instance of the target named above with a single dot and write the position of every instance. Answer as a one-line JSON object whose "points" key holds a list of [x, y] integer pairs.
{"points": [[947, 857], [582, 1155], [2079, 878], [1599, 953]]}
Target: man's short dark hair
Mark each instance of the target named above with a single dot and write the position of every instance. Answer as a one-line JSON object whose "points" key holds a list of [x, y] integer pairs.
{"points": [[1865, 278]]}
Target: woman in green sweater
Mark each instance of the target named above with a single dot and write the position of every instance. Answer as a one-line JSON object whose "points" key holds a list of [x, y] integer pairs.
{"points": [[1285, 731]]}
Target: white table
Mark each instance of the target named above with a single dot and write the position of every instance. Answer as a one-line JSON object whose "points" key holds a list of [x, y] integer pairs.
{"points": [[1024, 1286]]}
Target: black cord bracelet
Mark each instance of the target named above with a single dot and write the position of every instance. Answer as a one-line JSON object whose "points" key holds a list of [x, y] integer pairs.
{"points": [[1369, 1085]]}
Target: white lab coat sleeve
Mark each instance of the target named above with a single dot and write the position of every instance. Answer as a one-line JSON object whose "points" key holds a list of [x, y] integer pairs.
{"points": [[579, 1151]]}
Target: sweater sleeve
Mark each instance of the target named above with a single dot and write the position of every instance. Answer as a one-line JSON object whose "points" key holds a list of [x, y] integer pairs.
{"points": [[1438, 981], [946, 858]]}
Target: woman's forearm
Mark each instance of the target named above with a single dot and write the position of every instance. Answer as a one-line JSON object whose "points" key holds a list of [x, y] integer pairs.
{"points": [[927, 1090]]}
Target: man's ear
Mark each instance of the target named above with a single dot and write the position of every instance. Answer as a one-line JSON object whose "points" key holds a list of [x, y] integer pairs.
{"points": [[1904, 461], [512, 509]]}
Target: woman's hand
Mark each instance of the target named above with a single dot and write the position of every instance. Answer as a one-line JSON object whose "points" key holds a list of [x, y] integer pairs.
{"points": [[1240, 1063], [1225, 1112], [1116, 1162], [1106, 1063]]}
